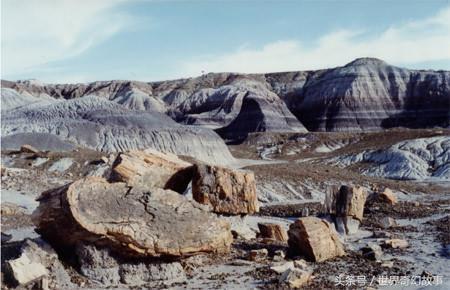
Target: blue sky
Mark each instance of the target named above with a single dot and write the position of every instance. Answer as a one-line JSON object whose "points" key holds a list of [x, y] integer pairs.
{"points": [[88, 40]]}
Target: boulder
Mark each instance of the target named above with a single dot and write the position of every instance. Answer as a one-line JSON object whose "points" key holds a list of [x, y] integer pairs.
{"points": [[228, 191], [28, 149], [295, 278], [272, 231], [315, 239], [346, 205], [387, 196], [152, 168], [140, 220]]}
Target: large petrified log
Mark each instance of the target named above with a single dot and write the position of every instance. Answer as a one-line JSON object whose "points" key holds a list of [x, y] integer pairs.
{"points": [[346, 205], [315, 239], [228, 191], [152, 168], [143, 221]]}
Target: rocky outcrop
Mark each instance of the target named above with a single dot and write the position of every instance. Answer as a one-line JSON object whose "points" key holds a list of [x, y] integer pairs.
{"points": [[315, 239], [272, 231], [369, 94], [366, 94], [108, 269], [103, 125], [152, 168], [415, 159], [40, 141], [134, 221], [227, 191], [259, 114]]}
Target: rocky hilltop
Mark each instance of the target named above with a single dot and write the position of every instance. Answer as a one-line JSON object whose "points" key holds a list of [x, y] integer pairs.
{"points": [[366, 94], [97, 123]]}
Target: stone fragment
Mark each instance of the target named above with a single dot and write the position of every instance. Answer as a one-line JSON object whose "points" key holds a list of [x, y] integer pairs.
{"points": [[315, 239], [295, 277], [372, 252], [258, 255], [387, 222], [228, 191], [347, 225], [6, 237], [8, 208], [387, 264], [240, 229], [396, 244], [25, 271], [387, 196], [279, 255], [28, 149], [272, 231], [152, 168], [38, 261], [143, 221], [280, 268]]}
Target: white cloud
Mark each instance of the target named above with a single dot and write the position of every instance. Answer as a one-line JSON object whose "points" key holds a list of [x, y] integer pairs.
{"points": [[424, 40], [37, 32]]}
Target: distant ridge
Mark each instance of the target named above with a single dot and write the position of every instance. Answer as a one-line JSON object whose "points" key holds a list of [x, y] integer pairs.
{"points": [[365, 94]]}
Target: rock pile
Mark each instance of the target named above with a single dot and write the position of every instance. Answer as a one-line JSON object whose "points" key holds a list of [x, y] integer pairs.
{"points": [[135, 226]]}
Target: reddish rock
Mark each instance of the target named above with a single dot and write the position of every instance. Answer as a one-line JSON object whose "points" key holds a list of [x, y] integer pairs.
{"points": [[315, 239], [228, 191], [272, 231], [387, 196]]}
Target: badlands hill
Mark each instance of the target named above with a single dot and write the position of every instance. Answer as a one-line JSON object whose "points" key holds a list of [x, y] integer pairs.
{"points": [[366, 94]]}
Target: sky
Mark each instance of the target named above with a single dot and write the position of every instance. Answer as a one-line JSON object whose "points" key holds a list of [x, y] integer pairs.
{"points": [[71, 41]]}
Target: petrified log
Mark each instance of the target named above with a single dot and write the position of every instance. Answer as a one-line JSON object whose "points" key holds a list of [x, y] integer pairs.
{"points": [[152, 168], [315, 239], [346, 205], [136, 220], [272, 231], [228, 191]]}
